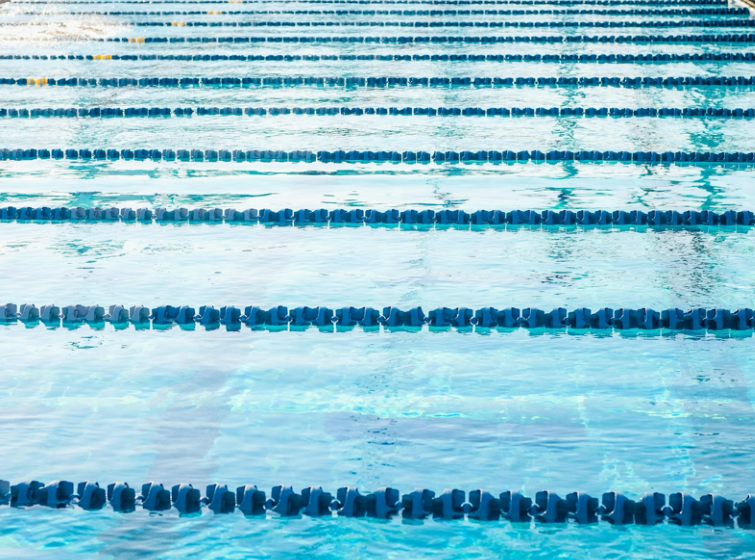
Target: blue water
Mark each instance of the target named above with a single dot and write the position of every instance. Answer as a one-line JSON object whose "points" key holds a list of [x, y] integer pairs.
{"points": [[524, 411]]}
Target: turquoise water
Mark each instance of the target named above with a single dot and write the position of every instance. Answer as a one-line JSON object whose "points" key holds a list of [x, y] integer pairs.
{"points": [[148, 265], [522, 411]]}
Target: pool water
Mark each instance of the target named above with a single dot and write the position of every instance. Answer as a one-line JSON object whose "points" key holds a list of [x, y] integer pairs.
{"points": [[500, 409]]}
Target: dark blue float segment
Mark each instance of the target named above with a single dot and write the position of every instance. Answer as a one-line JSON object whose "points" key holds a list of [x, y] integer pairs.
{"points": [[390, 82], [652, 24], [425, 2], [449, 40], [358, 156], [581, 112], [392, 217], [461, 318], [659, 58], [547, 508], [683, 12]]}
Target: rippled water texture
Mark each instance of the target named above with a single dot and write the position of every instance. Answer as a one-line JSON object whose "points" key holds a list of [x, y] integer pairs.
{"points": [[520, 410]]}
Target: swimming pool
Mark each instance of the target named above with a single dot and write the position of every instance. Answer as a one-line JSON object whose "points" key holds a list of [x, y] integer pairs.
{"points": [[443, 403]]}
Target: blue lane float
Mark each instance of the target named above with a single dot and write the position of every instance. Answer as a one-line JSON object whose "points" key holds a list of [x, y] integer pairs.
{"points": [[660, 58], [380, 157], [418, 2], [682, 12], [546, 508], [697, 321], [446, 40], [389, 82], [458, 219], [713, 23], [513, 112]]}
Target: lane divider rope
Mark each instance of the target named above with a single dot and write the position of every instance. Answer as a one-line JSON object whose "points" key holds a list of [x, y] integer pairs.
{"points": [[414, 2], [547, 507], [610, 39], [728, 23], [437, 40], [515, 112], [462, 319], [393, 217], [684, 12], [391, 81], [545, 58], [356, 156]]}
